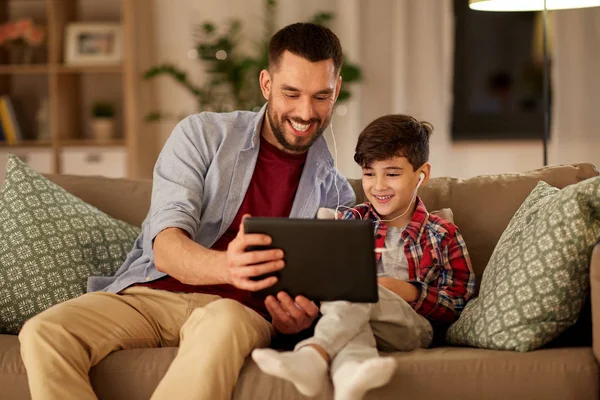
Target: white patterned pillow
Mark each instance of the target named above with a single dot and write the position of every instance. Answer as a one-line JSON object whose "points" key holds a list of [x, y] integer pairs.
{"points": [[535, 283], [50, 243]]}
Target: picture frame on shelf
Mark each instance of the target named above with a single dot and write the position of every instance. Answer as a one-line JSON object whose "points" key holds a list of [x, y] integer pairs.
{"points": [[90, 44]]}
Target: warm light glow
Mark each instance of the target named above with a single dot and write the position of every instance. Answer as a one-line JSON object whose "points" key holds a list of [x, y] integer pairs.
{"points": [[192, 53], [530, 5], [221, 55], [341, 110]]}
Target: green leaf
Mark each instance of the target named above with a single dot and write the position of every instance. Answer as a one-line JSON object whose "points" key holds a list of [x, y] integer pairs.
{"points": [[208, 28], [153, 116], [344, 95], [350, 73], [322, 18]]}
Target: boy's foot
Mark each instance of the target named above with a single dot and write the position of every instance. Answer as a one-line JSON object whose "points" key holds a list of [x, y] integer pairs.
{"points": [[352, 381], [305, 368]]}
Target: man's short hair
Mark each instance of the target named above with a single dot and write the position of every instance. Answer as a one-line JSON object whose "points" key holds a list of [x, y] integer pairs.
{"points": [[310, 41], [395, 135]]}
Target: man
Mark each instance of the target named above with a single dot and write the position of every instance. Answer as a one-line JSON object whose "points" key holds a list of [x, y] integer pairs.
{"points": [[188, 280]]}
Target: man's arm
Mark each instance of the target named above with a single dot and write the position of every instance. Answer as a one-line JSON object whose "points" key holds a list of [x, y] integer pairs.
{"points": [[178, 256], [347, 197]]}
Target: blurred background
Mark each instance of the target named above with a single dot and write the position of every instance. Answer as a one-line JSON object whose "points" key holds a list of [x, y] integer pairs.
{"points": [[96, 86]]}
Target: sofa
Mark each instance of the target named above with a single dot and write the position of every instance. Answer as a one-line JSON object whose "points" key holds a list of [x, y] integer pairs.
{"points": [[565, 369]]}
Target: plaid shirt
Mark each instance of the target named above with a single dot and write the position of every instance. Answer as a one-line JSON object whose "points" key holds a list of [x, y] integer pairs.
{"points": [[438, 261]]}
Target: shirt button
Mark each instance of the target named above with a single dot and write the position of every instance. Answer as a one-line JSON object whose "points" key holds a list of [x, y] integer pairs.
{"points": [[378, 236], [148, 279]]}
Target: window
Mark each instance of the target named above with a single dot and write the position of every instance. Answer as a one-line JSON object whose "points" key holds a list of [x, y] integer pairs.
{"points": [[498, 75]]}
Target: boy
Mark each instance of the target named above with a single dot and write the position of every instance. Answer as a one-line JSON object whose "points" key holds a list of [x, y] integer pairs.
{"points": [[424, 273]]}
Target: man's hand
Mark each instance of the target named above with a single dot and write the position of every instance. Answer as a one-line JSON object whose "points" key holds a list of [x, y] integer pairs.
{"points": [[289, 316], [243, 265]]}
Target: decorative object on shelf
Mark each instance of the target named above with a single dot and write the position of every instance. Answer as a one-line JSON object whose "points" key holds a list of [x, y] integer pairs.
{"points": [[22, 38], [93, 44], [10, 129], [232, 82], [42, 118], [103, 121]]}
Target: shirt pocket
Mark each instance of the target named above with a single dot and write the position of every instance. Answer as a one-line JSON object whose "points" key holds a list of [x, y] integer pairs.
{"points": [[431, 265]]}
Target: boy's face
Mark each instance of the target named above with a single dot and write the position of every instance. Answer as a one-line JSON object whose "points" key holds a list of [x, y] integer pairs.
{"points": [[389, 185], [301, 97]]}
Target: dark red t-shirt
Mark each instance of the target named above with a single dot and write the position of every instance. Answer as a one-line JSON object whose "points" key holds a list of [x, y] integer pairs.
{"points": [[270, 194]]}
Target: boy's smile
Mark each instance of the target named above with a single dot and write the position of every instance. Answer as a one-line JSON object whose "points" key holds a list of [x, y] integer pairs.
{"points": [[389, 186]]}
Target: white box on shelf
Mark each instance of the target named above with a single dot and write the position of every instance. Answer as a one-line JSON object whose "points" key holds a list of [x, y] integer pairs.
{"points": [[105, 161], [39, 159]]}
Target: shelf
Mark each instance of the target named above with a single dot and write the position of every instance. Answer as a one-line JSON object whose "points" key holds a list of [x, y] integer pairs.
{"points": [[27, 143], [28, 69], [23, 69], [91, 69], [91, 143]]}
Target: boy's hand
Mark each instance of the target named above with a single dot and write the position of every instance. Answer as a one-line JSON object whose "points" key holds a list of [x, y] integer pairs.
{"points": [[289, 316], [407, 291], [244, 265]]}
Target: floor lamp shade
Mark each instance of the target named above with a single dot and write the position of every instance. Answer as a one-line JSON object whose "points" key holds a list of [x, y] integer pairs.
{"points": [[530, 5]]}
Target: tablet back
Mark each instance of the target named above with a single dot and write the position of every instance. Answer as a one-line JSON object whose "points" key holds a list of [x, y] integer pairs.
{"points": [[325, 260]]}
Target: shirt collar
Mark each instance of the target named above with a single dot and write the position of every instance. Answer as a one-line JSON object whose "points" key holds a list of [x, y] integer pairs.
{"points": [[416, 224]]}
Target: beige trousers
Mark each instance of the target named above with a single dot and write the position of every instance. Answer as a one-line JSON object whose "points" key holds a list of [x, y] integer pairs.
{"points": [[214, 335]]}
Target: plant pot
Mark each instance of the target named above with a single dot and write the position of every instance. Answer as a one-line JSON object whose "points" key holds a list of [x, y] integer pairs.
{"points": [[103, 129], [20, 54]]}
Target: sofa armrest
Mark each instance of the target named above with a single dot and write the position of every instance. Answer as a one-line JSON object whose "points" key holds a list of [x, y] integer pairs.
{"points": [[595, 295]]}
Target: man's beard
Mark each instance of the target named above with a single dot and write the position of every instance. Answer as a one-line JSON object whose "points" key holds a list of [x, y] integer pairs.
{"points": [[278, 131]]}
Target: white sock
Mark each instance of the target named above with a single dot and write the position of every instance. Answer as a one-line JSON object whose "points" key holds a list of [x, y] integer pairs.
{"points": [[353, 380], [305, 368]]}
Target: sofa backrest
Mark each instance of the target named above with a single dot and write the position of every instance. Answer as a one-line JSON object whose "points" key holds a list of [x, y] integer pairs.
{"points": [[482, 206], [124, 199]]}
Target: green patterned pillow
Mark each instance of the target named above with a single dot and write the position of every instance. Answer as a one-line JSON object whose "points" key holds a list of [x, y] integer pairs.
{"points": [[536, 280], [50, 243]]}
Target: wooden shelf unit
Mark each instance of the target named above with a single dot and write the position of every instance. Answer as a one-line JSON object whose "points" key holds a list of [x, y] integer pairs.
{"points": [[70, 90]]}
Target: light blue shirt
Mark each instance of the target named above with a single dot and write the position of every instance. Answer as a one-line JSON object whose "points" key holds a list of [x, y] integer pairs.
{"points": [[200, 180]]}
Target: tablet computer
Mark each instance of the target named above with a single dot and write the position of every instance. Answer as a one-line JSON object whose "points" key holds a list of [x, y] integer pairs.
{"points": [[325, 260]]}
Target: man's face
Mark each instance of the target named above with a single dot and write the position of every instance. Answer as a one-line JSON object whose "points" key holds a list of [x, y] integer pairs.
{"points": [[389, 186], [301, 96]]}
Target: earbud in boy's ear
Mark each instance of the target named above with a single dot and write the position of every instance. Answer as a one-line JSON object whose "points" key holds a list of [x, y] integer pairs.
{"points": [[421, 178]]}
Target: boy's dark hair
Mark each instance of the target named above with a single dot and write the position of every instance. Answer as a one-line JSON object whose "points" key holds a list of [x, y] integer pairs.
{"points": [[392, 136], [310, 41]]}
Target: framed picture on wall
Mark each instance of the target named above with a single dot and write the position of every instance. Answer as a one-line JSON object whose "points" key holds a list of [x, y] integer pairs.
{"points": [[93, 44]]}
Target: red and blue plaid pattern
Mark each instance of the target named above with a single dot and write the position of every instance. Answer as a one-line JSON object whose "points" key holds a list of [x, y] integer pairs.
{"points": [[438, 261]]}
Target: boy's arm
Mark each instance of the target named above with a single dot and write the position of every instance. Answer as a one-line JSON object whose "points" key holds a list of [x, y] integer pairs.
{"points": [[410, 293], [455, 285]]}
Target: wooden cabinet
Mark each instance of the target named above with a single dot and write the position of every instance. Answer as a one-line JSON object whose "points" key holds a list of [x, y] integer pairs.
{"points": [[53, 99]]}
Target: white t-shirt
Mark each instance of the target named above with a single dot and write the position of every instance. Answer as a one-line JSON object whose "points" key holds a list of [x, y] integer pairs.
{"points": [[393, 262]]}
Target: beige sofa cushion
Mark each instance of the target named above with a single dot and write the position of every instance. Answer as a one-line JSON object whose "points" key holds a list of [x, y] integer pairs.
{"points": [[125, 199], [484, 205], [441, 373]]}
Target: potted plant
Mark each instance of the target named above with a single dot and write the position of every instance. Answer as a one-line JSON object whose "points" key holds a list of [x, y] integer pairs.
{"points": [[232, 74], [21, 38], [103, 121]]}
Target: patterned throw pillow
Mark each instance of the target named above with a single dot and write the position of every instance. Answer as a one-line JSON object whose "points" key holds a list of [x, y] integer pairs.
{"points": [[50, 243], [536, 280]]}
